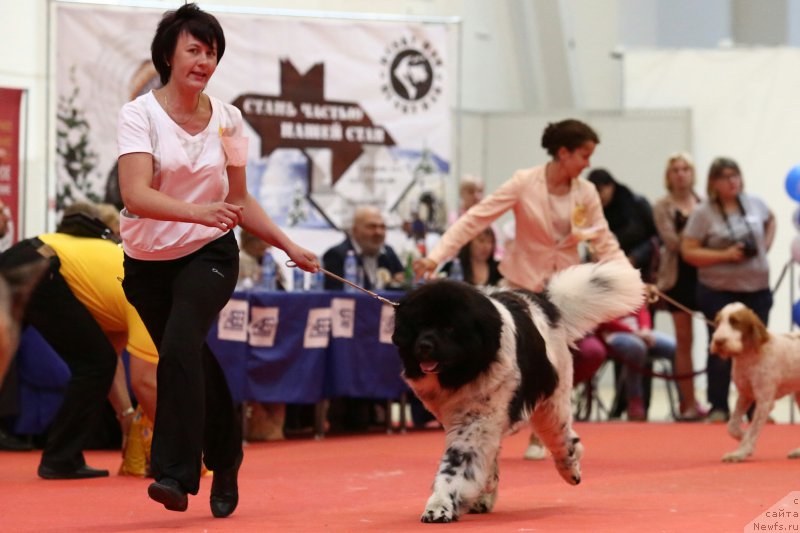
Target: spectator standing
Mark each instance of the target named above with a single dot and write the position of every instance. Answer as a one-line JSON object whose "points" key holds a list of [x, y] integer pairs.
{"points": [[727, 238], [677, 278]]}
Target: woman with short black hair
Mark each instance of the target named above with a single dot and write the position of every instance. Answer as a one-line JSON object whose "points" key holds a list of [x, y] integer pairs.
{"points": [[182, 156]]}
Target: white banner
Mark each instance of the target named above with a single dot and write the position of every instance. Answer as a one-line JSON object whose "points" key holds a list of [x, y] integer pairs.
{"points": [[338, 113]]}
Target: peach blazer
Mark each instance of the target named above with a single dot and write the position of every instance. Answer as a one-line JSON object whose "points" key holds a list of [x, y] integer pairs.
{"points": [[536, 253]]}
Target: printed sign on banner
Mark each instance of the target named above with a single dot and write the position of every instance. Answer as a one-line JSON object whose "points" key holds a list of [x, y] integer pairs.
{"points": [[232, 322], [263, 326], [387, 324], [343, 312], [318, 328], [328, 128]]}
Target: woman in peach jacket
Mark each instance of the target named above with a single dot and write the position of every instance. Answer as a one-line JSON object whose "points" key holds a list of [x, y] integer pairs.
{"points": [[554, 212]]}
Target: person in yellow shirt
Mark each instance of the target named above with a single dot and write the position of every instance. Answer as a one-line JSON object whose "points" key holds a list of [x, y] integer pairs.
{"points": [[79, 307]]}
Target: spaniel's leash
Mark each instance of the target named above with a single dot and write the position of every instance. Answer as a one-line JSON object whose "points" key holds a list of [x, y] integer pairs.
{"points": [[654, 294], [292, 264]]}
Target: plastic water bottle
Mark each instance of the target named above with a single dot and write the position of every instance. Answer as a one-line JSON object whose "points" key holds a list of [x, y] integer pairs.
{"points": [[299, 280], [268, 272], [317, 281], [456, 273], [350, 270]]}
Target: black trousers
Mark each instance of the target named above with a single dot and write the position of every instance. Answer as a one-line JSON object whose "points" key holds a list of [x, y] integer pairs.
{"points": [[72, 332], [195, 415]]}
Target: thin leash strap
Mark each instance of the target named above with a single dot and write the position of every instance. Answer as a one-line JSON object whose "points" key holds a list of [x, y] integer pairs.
{"points": [[292, 264], [654, 294]]}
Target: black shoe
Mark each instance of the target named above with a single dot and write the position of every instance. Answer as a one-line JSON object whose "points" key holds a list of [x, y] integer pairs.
{"points": [[225, 490], [169, 492], [11, 443], [83, 472]]}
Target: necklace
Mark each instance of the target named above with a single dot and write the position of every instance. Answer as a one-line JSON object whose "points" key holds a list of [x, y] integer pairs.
{"points": [[166, 105]]}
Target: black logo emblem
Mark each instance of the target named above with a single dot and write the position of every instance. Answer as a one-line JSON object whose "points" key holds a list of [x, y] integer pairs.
{"points": [[411, 74]]}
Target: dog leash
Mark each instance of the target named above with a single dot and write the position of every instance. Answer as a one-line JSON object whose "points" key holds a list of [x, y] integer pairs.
{"points": [[654, 294], [292, 264]]}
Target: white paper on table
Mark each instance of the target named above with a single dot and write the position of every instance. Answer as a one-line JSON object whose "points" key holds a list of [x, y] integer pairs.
{"points": [[232, 321], [318, 328], [264, 326], [387, 324], [343, 313]]}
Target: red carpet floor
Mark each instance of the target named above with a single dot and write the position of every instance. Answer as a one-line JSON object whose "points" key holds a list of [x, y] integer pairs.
{"points": [[636, 477]]}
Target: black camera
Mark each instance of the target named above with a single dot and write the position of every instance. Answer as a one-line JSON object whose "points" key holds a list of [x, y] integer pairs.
{"points": [[749, 247]]}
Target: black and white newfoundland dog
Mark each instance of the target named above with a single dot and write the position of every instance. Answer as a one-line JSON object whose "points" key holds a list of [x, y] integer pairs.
{"points": [[486, 363]]}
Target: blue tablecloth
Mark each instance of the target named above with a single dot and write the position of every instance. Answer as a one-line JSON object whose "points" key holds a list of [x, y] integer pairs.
{"points": [[306, 346]]}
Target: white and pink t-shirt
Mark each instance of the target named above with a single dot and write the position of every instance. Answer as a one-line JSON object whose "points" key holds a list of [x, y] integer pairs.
{"points": [[187, 167]]}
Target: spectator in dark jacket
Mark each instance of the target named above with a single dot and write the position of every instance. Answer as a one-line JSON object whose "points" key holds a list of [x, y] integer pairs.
{"points": [[630, 219], [376, 260]]}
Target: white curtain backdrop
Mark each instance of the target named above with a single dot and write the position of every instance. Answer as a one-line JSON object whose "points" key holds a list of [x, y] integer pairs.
{"points": [[744, 105]]}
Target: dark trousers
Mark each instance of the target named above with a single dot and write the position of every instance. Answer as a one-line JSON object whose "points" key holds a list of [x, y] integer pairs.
{"points": [[72, 332], [195, 415], [710, 301]]}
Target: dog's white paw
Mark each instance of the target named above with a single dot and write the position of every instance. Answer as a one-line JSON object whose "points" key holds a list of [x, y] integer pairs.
{"points": [[736, 456], [439, 510], [794, 454]]}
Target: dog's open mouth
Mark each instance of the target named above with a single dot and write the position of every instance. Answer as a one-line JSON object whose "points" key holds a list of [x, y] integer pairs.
{"points": [[429, 367]]}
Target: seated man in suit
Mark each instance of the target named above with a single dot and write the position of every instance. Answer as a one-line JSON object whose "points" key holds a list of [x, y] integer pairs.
{"points": [[378, 261], [367, 238]]}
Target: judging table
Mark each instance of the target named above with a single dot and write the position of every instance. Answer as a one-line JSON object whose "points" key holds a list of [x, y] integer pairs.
{"points": [[304, 347]]}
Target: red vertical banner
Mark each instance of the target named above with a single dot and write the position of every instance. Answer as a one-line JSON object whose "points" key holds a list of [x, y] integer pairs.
{"points": [[10, 103]]}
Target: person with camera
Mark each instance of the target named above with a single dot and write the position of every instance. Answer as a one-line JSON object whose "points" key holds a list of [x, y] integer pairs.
{"points": [[727, 238]]}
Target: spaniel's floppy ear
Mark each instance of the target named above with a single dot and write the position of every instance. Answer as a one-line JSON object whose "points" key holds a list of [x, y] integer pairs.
{"points": [[754, 332]]}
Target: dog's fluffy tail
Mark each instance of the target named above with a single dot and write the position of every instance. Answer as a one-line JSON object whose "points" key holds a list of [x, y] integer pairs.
{"points": [[589, 294]]}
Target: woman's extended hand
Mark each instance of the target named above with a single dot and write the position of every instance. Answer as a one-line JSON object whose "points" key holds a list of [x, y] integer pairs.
{"points": [[303, 258], [222, 215], [424, 267]]}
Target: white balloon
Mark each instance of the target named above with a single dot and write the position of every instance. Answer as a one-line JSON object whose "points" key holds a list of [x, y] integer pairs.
{"points": [[796, 218]]}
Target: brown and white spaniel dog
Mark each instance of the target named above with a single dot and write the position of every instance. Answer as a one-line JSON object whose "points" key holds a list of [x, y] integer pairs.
{"points": [[766, 367]]}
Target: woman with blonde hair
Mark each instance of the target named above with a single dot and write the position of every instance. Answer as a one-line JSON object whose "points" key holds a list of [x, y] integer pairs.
{"points": [[677, 278]]}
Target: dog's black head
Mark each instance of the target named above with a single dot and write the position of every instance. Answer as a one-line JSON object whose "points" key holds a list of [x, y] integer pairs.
{"points": [[447, 328]]}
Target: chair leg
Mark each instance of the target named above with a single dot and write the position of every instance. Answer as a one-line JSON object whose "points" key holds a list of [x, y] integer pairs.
{"points": [[581, 400], [673, 395]]}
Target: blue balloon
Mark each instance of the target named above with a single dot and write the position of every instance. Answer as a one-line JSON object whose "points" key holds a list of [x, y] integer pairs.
{"points": [[793, 183], [796, 313]]}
